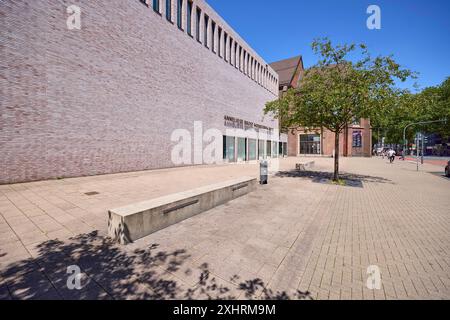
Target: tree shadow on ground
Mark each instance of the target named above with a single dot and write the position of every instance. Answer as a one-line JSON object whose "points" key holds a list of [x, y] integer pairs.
{"points": [[108, 271], [348, 179]]}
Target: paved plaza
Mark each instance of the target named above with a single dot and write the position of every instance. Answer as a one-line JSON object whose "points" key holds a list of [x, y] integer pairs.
{"points": [[300, 237]]}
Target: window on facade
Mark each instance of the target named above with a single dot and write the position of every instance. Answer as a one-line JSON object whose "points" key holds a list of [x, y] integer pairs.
{"points": [[309, 144], [275, 149], [219, 43], [156, 5], [357, 139], [180, 14], [261, 152], [242, 149], [189, 17], [231, 50], [269, 148], [252, 149], [236, 56], [213, 34], [225, 39], [242, 54], [258, 73], [228, 149], [205, 31], [198, 19], [239, 58], [169, 10]]}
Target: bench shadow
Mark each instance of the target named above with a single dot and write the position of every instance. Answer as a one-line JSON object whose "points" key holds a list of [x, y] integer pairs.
{"points": [[108, 271], [323, 177]]}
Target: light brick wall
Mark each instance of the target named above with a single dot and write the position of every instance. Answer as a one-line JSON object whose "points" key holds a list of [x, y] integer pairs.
{"points": [[106, 98]]}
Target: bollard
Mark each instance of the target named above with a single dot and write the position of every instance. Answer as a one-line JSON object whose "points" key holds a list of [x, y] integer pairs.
{"points": [[263, 172]]}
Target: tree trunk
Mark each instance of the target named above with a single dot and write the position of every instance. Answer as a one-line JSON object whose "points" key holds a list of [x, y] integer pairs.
{"points": [[336, 157]]}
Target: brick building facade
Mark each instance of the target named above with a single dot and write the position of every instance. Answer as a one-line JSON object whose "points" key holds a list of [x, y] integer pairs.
{"points": [[107, 97], [355, 140]]}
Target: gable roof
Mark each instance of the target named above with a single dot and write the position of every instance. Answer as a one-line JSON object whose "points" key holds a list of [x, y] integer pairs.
{"points": [[286, 69]]}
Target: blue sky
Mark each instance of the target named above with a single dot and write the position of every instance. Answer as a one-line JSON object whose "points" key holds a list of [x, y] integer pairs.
{"points": [[416, 32]]}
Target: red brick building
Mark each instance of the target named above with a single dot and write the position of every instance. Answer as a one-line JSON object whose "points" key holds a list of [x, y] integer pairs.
{"points": [[356, 140]]}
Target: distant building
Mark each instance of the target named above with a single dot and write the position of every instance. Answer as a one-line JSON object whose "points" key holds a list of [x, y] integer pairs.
{"points": [[356, 139]]}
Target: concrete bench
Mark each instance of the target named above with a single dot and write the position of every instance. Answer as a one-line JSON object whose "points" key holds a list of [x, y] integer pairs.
{"points": [[136, 221], [303, 166]]}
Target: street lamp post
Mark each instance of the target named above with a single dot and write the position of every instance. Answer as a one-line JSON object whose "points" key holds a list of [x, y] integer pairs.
{"points": [[423, 147], [417, 150]]}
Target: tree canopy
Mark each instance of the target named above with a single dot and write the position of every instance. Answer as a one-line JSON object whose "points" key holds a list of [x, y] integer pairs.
{"points": [[347, 83], [431, 104]]}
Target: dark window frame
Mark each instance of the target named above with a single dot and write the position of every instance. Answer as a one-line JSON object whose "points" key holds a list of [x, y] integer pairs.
{"points": [[357, 138], [198, 17], [205, 28], [156, 7], [225, 46], [180, 14], [240, 60], [169, 10], [213, 33], [231, 51], [219, 43], [229, 147], [189, 8]]}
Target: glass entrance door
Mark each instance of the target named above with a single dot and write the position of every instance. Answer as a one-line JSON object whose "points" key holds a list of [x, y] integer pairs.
{"points": [[242, 149], [310, 144]]}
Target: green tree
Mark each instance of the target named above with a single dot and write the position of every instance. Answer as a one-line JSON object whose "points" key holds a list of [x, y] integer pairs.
{"points": [[431, 104], [338, 90], [434, 104]]}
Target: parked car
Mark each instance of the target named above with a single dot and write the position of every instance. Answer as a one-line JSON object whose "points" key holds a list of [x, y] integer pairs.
{"points": [[447, 170]]}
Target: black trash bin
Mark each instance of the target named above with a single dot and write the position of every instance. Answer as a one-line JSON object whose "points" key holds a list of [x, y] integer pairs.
{"points": [[263, 172]]}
